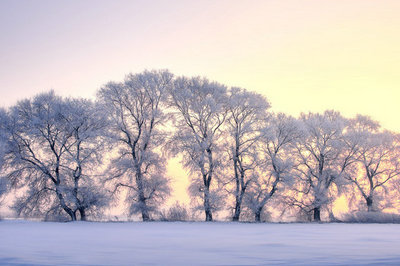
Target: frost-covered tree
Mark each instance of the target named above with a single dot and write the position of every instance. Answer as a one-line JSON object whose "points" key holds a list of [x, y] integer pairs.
{"points": [[378, 159], [275, 163], [87, 123], [200, 112], [246, 114], [322, 158], [3, 181], [136, 109], [41, 156]]}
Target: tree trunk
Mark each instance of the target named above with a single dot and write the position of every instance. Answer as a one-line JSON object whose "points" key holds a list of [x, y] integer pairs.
{"points": [[145, 212], [257, 215], [238, 205], [64, 205], [207, 205], [82, 212], [317, 214], [208, 216], [236, 215], [142, 198], [71, 214], [207, 183], [60, 196], [369, 204], [75, 193], [145, 215]]}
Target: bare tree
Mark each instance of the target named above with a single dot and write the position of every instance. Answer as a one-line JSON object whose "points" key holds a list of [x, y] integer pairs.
{"points": [[37, 148], [246, 114], [137, 115], [275, 163], [87, 123], [201, 111], [323, 157], [378, 159], [3, 140], [39, 157]]}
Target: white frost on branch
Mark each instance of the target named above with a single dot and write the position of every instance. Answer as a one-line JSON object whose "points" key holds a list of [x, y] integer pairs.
{"points": [[136, 109]]}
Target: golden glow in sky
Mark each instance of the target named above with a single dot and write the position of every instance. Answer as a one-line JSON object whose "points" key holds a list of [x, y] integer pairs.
{"points": [[303, 55]]}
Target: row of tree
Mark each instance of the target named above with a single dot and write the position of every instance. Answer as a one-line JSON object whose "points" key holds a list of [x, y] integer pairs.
{"points": [[75, 157]]}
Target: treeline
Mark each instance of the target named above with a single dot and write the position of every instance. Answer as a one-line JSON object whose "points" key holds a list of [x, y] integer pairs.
{"points": [[72, 157]]}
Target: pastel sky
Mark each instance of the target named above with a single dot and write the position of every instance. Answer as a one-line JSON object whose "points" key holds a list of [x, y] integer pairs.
{"points": [[302, 55]]}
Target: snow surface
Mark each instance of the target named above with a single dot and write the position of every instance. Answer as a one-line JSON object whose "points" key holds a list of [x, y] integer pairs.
{"points": [[163, 243]]}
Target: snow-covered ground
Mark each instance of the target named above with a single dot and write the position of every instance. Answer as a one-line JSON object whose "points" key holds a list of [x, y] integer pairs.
{"points": [[157, 243]]}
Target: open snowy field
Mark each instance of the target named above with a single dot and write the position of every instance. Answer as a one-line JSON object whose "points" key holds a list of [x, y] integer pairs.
{"points": [[162, 243]]}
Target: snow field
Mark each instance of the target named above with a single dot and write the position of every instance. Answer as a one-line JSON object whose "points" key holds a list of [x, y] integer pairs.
{"points": [[164, 243]]}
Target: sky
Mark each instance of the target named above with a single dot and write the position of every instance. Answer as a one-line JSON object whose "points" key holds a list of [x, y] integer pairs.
{"points": [[302, 55]]}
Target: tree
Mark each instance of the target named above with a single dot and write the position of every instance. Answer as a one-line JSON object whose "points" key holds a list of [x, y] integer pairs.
{"points": [[136, 109], [378, 159], [201, 112], [40, 156], [246, 112], [274, 169], [322, 158], [87, 123], [3, 181]]}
